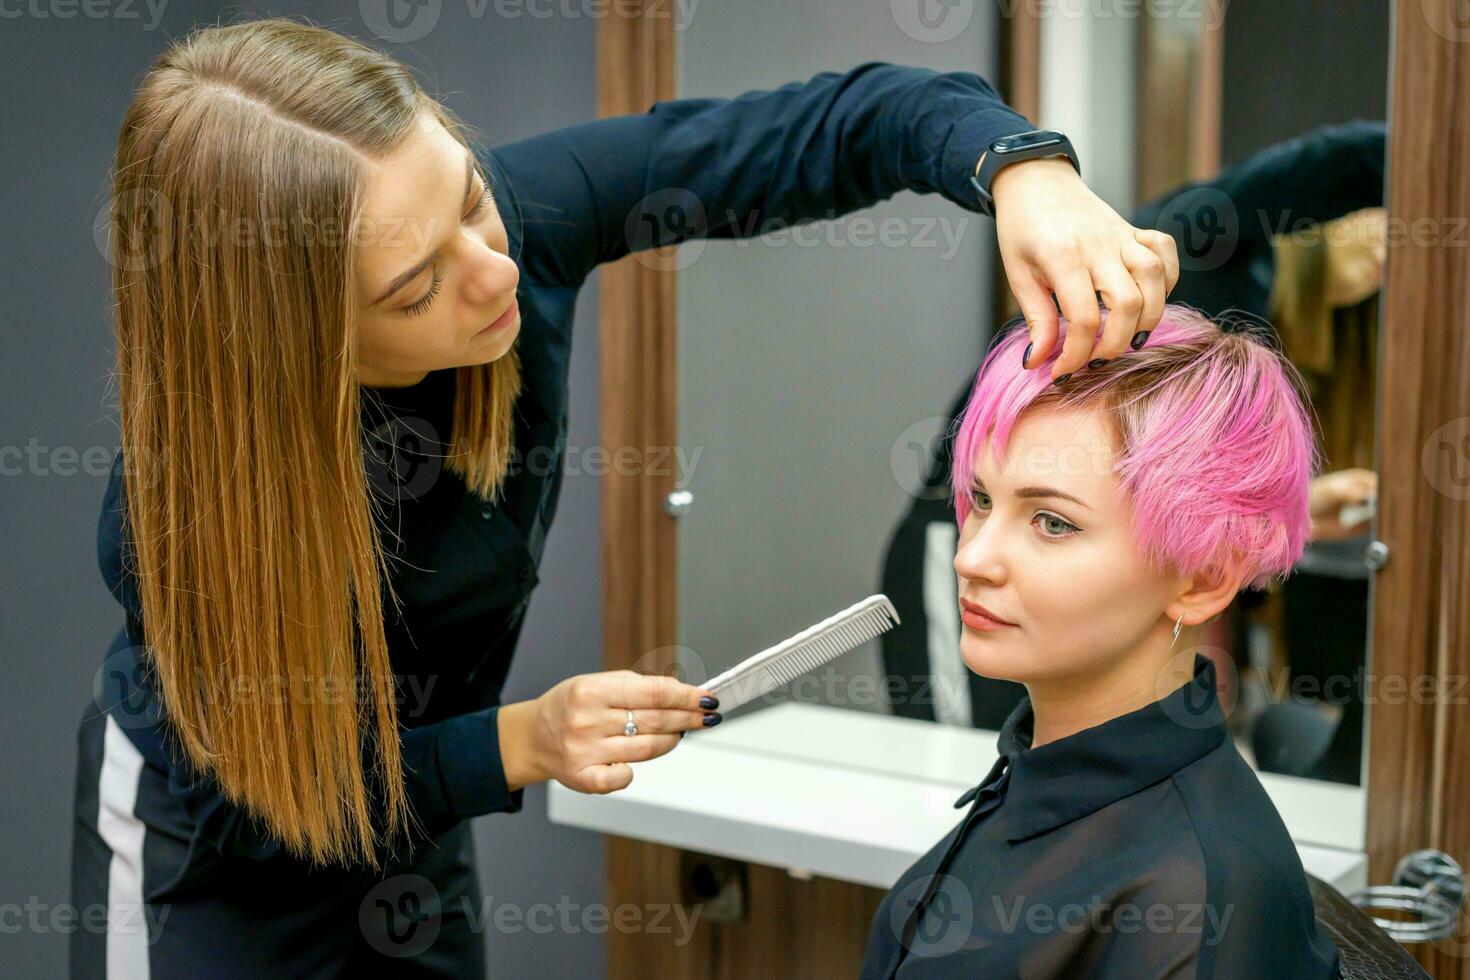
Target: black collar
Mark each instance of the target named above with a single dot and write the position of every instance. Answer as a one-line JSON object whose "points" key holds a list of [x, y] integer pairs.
{"points": [[1065, 780]]}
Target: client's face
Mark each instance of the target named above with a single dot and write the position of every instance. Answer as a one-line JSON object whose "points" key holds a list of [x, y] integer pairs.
{"points": [[1047, 548]]}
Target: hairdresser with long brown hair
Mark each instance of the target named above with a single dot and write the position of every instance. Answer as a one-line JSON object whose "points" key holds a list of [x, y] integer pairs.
{"points": [[313, 264]]}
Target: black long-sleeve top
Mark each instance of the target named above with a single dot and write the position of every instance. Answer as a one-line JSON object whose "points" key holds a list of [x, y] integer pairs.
{"points": [[1141, 847], [572, 199]]}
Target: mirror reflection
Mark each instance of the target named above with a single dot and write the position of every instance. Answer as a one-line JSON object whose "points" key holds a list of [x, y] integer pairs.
{"points": [[1252, 136]]}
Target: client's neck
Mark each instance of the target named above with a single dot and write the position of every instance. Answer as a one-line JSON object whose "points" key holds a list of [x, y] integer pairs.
{"points": [[1067, 705]]}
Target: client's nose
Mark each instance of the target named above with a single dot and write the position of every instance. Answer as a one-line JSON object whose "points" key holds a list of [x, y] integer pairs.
{"points": [[978, 556]]}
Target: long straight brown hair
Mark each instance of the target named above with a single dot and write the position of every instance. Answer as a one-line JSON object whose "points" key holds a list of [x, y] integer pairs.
{"points": [[237, 191]]}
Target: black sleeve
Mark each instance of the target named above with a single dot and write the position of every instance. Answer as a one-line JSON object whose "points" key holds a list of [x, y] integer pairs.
{"points": [[1323, 174], [737, 168], [452, 768]]}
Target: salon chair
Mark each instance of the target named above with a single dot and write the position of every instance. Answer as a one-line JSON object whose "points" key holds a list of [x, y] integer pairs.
{"points": [[1367, 951]]}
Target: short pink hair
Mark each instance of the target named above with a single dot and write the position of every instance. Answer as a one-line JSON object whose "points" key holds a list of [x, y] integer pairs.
{"points": [[1216, 448]]}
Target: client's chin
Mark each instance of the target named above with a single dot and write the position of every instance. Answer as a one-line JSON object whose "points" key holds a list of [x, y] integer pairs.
{"points": [[993, 655]]}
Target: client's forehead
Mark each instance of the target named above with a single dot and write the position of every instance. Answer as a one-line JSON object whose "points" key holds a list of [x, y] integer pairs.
{"points": [[1072, 450]]}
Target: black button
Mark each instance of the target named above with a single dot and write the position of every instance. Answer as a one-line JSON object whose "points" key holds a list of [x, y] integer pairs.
{"points": [[526, 571]]}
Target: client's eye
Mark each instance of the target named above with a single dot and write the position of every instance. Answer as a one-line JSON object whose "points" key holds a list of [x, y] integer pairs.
{"points": [[1067, 528], [1054, 528]]}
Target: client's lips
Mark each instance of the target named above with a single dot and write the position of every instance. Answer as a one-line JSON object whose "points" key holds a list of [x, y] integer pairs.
{"points": [[977, 610]]}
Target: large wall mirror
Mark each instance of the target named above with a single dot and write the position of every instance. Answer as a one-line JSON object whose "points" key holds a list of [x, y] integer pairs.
{"points": [[862, 334]]}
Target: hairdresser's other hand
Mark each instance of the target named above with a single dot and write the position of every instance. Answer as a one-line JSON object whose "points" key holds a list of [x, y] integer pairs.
{"points": [[1330, 492], [1357, 248], [1057, 236], [574, 732]]}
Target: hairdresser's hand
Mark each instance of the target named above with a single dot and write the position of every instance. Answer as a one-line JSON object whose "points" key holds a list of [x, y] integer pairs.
{"points": [[1056, 236], [574, 732], [1330, 492]]}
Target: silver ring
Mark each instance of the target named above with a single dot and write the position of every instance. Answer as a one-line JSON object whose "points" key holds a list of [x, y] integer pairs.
{"points": [[631, 728]]}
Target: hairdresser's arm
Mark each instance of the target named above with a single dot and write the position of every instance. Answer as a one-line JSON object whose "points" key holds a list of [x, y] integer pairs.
{"points": [[1323, 174], [734, 168]]}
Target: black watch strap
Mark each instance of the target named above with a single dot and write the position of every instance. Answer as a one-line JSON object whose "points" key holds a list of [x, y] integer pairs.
{"points": [[1033, 145]]}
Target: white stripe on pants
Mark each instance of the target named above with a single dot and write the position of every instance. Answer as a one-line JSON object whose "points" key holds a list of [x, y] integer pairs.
{"points": [[117, 794]]}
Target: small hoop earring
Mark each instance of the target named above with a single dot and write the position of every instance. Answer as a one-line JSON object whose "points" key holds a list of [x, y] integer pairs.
{"points": [[1177, 624]]}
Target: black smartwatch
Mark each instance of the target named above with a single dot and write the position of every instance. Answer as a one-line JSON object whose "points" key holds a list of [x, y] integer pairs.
{"points": [[1013, 149]]}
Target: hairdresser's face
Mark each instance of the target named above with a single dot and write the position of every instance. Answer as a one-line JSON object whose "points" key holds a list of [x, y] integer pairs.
{"points": [[1063, 571], [434, 273]]}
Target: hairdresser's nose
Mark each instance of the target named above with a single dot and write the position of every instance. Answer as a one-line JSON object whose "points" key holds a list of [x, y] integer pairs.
{"points": [[490, 276], [980, 553]]}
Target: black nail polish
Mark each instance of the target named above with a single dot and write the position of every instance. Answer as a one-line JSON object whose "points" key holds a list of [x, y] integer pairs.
{"points": [[1139, 339], [713, 719], [709, 703], [683, 733], [1026, 355], [1097, 362], [1062, 379]]}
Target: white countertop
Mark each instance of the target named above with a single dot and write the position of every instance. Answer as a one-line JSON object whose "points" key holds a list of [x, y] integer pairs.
{"points": [[859, 797]]}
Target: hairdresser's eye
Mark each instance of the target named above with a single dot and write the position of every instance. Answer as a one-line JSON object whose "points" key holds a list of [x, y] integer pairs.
{"points": [[481, 205], [418, 307], [423, 304], [1063, 528]]}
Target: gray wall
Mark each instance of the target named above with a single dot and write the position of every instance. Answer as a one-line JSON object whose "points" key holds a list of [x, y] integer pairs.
{"points": [[68, 82]]}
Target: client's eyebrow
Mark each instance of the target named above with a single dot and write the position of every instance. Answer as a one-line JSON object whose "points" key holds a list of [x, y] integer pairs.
{"points": [[1031, 492]]}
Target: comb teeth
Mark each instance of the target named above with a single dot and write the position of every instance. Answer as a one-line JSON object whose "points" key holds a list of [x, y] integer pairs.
{"points": [[804, 652]]}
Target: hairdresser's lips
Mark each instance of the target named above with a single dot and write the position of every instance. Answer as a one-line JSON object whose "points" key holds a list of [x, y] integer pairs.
{"points": [[504, 320], [977, 617]]}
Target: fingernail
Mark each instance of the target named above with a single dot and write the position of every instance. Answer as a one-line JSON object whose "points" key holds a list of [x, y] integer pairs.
{"points": [[1062, 379], [709, 703], [1097, 362], [1027, 355], [713, 719], [1139, 339]]}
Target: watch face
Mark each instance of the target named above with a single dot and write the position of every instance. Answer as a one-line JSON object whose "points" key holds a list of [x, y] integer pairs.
{"points": [[1025, 141]]}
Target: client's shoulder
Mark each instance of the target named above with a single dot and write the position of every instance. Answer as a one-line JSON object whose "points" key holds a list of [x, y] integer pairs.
{"points": [[1251, 863]]}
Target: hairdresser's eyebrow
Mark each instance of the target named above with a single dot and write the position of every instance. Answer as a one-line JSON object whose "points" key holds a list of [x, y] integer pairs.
{"points": [[408, 277], [1027, 493]]}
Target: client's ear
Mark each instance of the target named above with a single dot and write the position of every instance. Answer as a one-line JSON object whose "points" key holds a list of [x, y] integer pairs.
{"points": [[1206, 594]]}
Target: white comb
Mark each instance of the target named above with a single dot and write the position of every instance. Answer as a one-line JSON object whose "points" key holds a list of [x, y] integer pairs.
{"points": [[806, 651]]}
